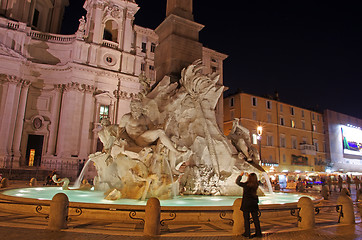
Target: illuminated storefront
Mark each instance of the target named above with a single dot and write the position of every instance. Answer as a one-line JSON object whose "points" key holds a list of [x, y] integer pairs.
{"points": [[344, 135]]}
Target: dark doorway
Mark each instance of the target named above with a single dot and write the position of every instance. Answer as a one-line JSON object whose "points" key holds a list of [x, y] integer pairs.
{"points": [[34, 150]]}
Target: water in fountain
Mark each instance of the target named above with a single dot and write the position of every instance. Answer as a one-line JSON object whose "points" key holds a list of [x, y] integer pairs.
{"points": [[270, 188], [173, 192], [81, 175]]}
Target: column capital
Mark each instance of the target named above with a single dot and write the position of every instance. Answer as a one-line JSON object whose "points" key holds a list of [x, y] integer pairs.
{"points": [[88, 88], [13, 79]]}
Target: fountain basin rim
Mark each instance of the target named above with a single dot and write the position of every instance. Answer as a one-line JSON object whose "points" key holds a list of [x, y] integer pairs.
{"points": [[120, 207]]}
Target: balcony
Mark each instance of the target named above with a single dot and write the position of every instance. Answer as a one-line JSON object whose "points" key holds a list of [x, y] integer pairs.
{"points": [[110, 44], [307, 149]]}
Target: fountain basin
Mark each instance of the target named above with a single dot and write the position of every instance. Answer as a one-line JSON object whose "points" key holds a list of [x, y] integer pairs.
{"points": [[97, 197], [188, 208]]}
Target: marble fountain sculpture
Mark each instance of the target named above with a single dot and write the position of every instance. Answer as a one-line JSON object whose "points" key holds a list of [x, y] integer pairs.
{"points": [[170, 143]]}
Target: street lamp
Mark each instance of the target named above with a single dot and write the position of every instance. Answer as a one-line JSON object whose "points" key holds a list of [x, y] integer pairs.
{"points": [[259, 131]]}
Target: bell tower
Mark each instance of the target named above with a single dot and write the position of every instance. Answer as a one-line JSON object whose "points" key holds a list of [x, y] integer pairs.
{"points": [[179, 44], [110, 21]]}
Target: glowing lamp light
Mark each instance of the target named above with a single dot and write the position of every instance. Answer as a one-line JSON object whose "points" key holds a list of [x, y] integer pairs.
{"points": [[259, 130]]}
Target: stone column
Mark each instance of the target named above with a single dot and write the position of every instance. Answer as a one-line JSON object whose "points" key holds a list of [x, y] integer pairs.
{"points": [[97, 31], [8, 113], [128, 31], [66, 124], [20, 119], [85, 137], [54, 119]]}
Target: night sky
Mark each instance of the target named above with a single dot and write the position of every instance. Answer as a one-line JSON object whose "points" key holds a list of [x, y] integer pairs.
{"points": [[308, 51]]}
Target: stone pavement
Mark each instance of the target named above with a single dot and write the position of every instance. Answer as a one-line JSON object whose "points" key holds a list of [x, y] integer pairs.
{"points": [[34, 227]]}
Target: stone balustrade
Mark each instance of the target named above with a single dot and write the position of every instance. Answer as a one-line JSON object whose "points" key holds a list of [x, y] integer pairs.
{"points": [[51, 37], [110, 44]]}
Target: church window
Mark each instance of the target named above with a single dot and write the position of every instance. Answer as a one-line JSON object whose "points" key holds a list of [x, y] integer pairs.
{"points": [[152, 67], [36, 17], [143, 67], [103, 112]]}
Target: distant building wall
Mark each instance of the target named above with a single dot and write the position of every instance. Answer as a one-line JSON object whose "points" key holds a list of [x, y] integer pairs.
{"points": [[344, 130], [293, 138]]}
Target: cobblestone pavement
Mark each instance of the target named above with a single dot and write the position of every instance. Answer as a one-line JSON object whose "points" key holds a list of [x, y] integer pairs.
{"points": [[34, 227]]}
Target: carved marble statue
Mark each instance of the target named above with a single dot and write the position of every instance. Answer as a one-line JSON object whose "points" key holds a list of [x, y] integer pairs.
{"points": [[170, 143]]}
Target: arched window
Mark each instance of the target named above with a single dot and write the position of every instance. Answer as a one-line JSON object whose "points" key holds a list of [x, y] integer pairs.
{"points": [[111, 31]]}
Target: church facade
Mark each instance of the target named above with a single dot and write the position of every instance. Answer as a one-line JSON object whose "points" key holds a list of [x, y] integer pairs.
{"points": [[55, 89]]}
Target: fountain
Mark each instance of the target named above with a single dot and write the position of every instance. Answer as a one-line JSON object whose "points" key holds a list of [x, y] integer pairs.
{"points": [[170, 147]]}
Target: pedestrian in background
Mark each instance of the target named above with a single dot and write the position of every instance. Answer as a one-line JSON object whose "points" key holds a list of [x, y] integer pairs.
{"points": [[249, 204], [340, 183]]}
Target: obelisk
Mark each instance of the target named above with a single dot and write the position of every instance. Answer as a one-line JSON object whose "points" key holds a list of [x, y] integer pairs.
{"points": [[179, 44]]}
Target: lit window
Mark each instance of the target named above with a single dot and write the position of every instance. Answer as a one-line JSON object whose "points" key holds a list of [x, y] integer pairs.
{"points": [[103, 112], [314, 127], [292, 123]]}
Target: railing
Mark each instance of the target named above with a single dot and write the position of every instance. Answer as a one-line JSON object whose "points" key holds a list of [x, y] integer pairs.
{"points": [[51, 37], [13, 25], [307, 149], [294, 211], [110, 44]]}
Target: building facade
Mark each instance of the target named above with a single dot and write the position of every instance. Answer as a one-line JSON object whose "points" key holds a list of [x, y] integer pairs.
{"points": [[292, 138], [344, 138], [55, 89]]}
